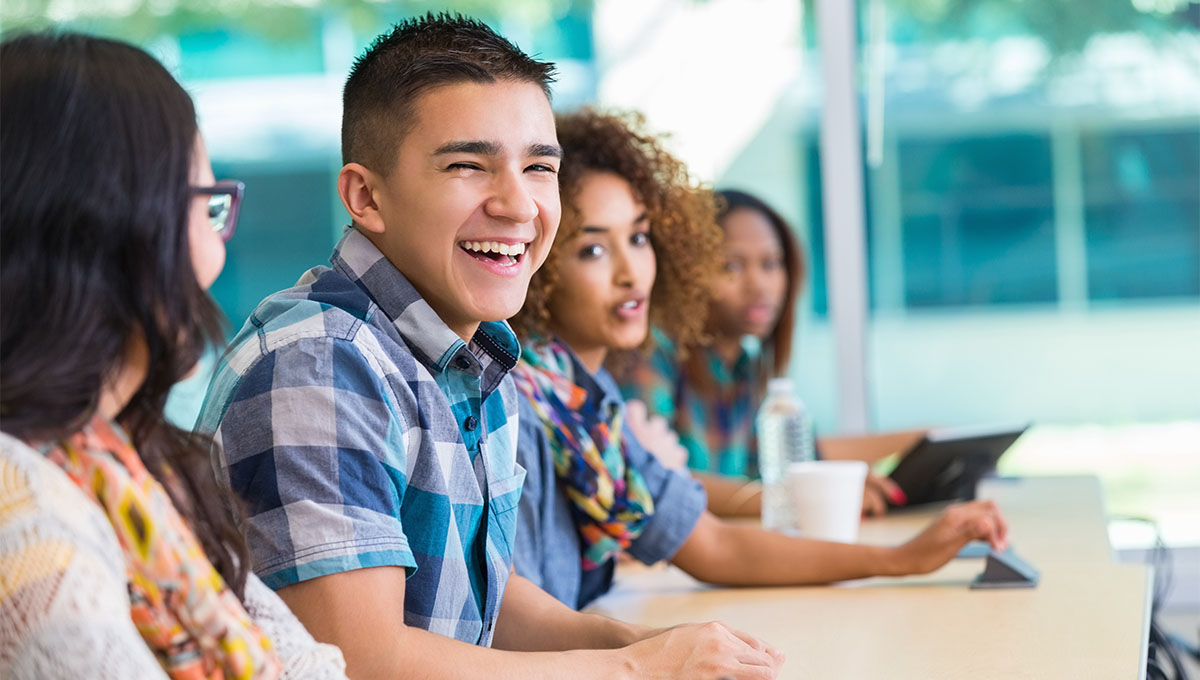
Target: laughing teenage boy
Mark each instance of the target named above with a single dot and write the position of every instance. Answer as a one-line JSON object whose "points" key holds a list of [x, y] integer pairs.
{"points": [[366, 417]]}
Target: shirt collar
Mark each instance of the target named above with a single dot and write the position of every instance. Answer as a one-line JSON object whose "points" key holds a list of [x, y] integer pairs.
{"points": [[743, 367], [424, 331], [600, 387]]}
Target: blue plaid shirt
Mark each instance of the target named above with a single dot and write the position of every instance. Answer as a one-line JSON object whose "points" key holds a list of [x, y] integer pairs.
{"points": [[360, 431]]}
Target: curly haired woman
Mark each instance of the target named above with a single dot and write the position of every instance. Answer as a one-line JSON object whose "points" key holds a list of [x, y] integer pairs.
{"points": [[638, 243]]}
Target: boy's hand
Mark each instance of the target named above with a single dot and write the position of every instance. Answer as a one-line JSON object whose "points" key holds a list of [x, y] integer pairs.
{"points": [[703, 651], [941, 541], [654, 433]]}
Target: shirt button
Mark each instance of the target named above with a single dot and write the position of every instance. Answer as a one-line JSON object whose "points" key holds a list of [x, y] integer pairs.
{"points": [[471, 423], [463, 363]]}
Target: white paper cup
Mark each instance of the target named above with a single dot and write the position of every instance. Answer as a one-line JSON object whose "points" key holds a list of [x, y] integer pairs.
{"points": [[826, 498]]}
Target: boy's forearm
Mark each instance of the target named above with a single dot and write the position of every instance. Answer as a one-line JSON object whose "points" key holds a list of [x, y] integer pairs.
{"points": [[420, 655], [532, 620]]}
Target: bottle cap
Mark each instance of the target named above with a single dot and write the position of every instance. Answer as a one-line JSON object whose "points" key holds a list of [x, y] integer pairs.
{"points": [[780, 386]]}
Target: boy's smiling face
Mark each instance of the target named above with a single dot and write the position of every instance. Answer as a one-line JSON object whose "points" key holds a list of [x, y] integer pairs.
{"points": [[471, 206]]}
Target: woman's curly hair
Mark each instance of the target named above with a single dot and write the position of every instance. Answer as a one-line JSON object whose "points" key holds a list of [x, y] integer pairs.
{"points": [[687, 241]]}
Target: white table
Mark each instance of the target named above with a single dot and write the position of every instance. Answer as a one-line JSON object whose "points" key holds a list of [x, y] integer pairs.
{"points": [[1088, 618]]}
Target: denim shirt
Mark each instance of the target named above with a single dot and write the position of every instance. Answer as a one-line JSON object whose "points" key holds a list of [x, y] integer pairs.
{"points": [[548, 549]]}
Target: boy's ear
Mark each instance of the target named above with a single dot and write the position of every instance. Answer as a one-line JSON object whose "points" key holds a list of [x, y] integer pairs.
{"points": [[356, 186]]}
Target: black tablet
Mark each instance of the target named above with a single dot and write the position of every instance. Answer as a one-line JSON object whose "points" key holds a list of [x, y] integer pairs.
{"points": [[947, 464]]}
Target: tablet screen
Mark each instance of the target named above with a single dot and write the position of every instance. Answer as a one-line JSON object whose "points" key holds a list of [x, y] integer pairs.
{"points": [[948, 463]]}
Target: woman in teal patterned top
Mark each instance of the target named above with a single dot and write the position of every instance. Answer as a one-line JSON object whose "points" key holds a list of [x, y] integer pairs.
{"points": [[710, 398]]}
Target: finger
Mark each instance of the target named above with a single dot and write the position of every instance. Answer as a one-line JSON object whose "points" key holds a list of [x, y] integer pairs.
{"points": [[749, 639], [891, 490], [635, 411], [753, 657], [983, 528], [680, 459], [751, 650], [873, 503], [887, 488], [986, 524], [755, 662], [751, 673], [1001, 527]]}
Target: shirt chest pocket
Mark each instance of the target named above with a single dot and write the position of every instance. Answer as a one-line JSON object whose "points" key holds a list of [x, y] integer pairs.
{"points": [[504, 496]]}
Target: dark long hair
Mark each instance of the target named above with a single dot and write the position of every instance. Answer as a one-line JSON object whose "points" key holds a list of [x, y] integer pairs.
{"points": [[96, 142], [779, 342]]}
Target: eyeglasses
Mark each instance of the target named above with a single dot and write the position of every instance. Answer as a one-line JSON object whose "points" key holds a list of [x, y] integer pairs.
{"points": [[224, 199]]}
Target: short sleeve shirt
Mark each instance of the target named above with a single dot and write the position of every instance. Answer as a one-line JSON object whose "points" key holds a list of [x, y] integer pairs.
{"points": [[549, 551], [714, 420], [358, 430]]}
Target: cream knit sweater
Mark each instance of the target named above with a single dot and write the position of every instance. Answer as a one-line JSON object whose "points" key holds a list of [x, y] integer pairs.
{"points": [[64, 602]]}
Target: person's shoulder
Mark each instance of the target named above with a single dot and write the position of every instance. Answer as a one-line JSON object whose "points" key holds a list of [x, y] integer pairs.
{"points": [[323, 303], [64, 570], [325, 314], [39, 498], [607, 384], [661, 342], [317, 333], [28, 475], [664, 354]]}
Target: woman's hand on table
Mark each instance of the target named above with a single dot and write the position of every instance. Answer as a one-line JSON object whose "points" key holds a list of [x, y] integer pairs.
{"points": [[954, 528]]}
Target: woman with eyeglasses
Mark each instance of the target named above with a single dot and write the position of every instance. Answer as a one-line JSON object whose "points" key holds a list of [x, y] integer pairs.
{"points": [[121, 558]]}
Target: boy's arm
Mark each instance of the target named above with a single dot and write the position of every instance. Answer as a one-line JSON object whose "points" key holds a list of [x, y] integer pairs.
{"points": [[532, 620], [731, 554], [356, 610]]}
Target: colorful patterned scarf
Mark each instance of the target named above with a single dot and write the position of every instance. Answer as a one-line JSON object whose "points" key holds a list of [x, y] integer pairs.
{"points": [[609, 500], [189, 618]]}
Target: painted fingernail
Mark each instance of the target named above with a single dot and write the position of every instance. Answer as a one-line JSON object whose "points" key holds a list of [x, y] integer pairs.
{"points": [[897, 496]]}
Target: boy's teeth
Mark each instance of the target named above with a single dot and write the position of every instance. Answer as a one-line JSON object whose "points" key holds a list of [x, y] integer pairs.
{"points": [[629, 305], [495, 247]]}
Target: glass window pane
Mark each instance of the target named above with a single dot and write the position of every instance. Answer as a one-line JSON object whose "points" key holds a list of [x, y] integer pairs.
{"points": [[1143, 219], [1037, 202]]}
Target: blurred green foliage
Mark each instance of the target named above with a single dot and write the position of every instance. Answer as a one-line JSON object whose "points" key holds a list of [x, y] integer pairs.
{"points": [[1064, 25], [281, 20]]}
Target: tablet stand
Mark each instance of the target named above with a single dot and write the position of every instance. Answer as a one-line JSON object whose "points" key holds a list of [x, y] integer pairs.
{"points": [[1006, 570]]}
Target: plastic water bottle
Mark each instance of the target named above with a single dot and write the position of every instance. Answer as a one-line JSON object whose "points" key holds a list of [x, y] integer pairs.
{"points": [[784, 437]]}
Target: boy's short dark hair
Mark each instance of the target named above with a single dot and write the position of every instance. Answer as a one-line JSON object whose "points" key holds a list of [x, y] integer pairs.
{"points": [[417, 55]]}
